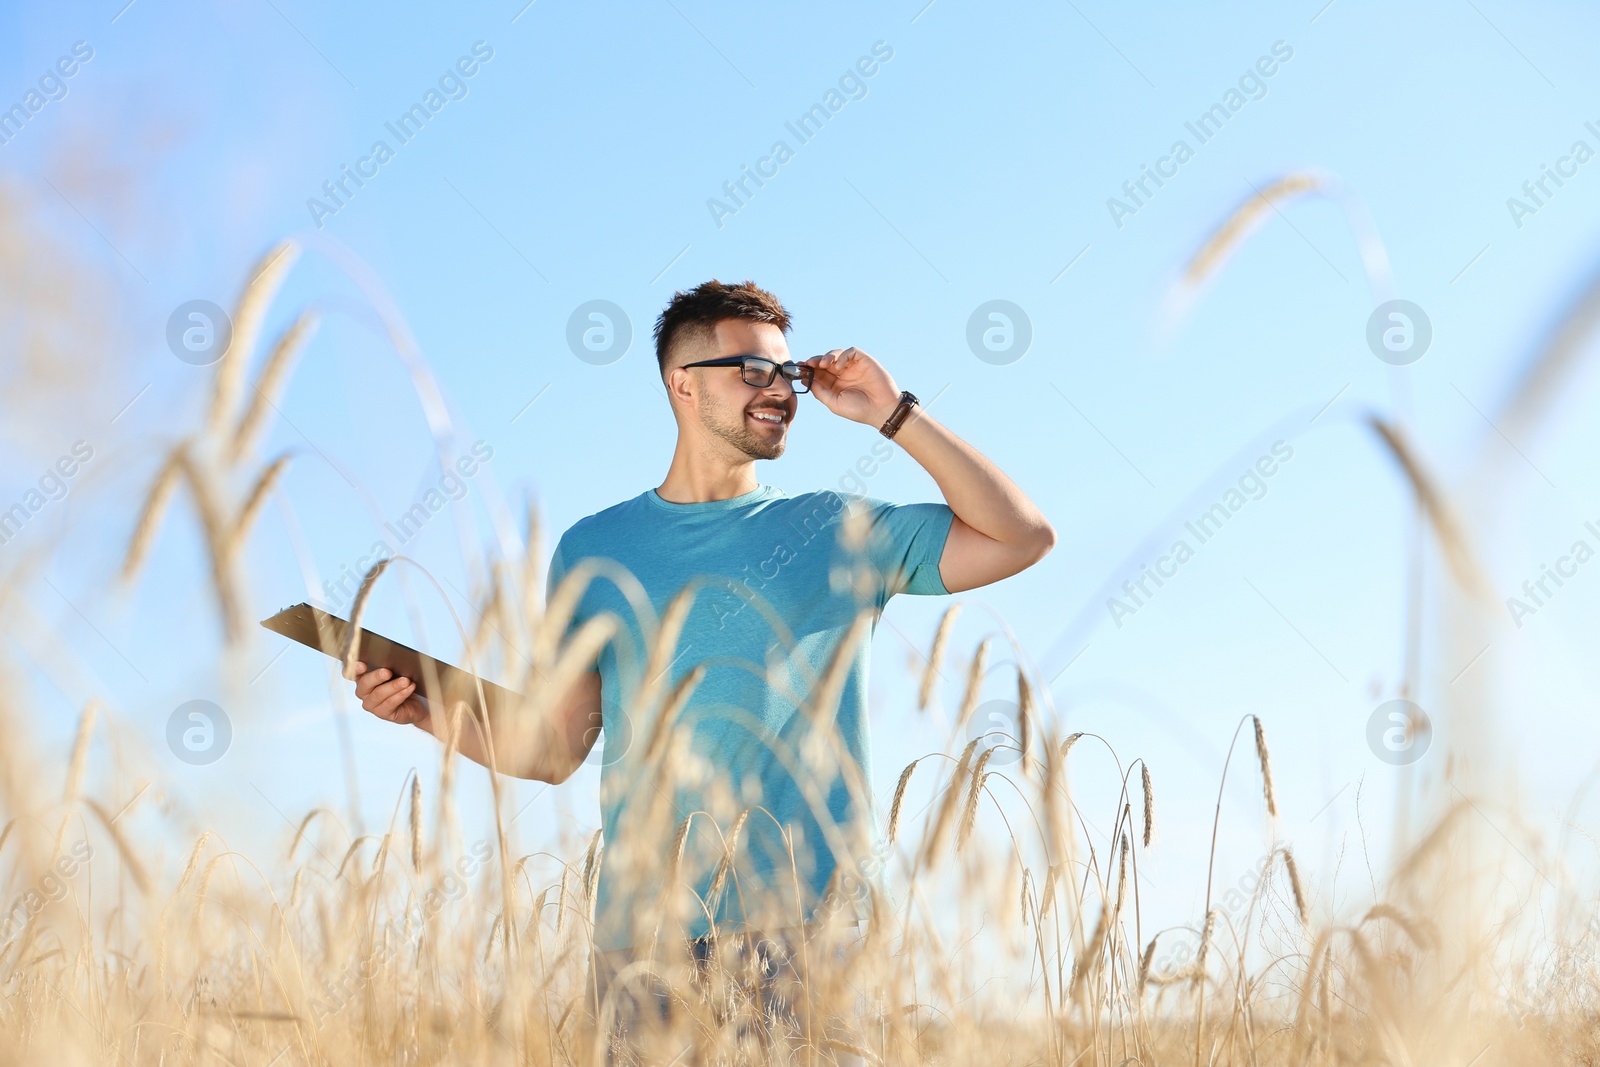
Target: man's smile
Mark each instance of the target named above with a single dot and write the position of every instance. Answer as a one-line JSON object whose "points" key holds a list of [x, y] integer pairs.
{"points": [[770, 416]]}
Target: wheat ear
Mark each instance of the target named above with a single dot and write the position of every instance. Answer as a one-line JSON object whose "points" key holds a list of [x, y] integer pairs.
{"points": [[1266, 767], [952, 797], [247, 320], [416, 822], [899, 796], [1295, 887], [941, 638], [969, 699], [269, 385], [80, 751], [969, 814], [254, 503], [1149, 803], [351, 648], [150, 516]]}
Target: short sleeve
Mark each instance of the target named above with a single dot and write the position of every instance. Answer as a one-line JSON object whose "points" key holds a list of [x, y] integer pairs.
{"points": [[905, 543]]}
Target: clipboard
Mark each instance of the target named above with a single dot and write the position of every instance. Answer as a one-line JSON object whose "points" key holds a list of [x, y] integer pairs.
{"points": [[435, 679]]}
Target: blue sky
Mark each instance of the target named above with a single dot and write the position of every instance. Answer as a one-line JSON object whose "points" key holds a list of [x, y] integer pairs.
{"points": [[974, 164]]}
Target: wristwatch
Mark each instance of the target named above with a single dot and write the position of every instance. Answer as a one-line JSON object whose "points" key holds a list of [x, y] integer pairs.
{"points": [[901, 413]]}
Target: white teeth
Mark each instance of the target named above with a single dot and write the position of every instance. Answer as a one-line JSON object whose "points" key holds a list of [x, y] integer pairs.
{"points": [[767, 418]]}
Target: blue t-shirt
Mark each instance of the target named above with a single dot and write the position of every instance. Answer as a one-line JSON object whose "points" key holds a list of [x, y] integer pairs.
{"points": [[779, 580]]}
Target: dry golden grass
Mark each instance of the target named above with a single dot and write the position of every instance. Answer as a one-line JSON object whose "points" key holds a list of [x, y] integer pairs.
{"points": [[335, 951]]}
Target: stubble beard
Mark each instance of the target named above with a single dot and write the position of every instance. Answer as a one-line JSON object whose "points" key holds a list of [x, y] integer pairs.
{"points": [[733, 426]]}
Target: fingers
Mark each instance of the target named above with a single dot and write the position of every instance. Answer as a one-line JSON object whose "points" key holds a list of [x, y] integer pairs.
{"points": [[391, 706], [836, 359], [380, 692], [367, 680]]}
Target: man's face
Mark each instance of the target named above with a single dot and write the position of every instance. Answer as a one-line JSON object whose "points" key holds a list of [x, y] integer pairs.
{"points": [[753, 421]]}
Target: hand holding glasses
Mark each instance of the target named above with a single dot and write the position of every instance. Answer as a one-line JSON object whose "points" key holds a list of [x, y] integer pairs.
{"points": [[759, 372]]}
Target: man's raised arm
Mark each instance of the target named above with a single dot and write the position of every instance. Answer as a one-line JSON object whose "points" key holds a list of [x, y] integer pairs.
{"points": [[997, 530]]}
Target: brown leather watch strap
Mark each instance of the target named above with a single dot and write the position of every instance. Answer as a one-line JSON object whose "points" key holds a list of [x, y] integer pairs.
{"points": [[901, 413]]}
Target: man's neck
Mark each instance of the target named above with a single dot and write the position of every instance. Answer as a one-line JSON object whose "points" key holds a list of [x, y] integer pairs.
{"points": [[695, 478]]}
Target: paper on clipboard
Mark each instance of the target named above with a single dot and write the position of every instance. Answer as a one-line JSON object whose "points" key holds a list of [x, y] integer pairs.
{"points": [[317, 629]]}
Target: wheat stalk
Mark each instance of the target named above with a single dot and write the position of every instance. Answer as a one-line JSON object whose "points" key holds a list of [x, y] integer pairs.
{"points": [[941, 638], [1149, 802], [1122, 875], [969, 698], [532, 588], [1025, 714], [1091, 952], [1295, 887], [899, 796], [270, 382], [247, 321], [663, 649], [666, 719], [970, 812], [1205, 944], [156, 501], [1446, 527], [416, 822], [1145, 961], [1417, 930], [952, 797], [129, 856], [350, 648], [1266, 767], [194, 860], [216, 529], [254, 503], [1222, 241], [590, 867], [725, 864], [80, 751]]}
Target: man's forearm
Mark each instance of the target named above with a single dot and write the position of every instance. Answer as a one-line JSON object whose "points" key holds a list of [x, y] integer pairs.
{"points": [[546, 743], [471, 745]]}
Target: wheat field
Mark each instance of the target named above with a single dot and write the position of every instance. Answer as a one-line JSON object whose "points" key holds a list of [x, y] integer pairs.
{"points": [[437, 942]]}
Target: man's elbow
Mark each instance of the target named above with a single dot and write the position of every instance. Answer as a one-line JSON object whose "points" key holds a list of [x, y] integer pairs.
{"points": [[1041, 542], [553, 775], [541, 771]]}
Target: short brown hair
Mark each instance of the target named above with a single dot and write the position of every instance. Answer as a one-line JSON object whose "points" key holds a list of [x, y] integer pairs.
{"points": [[697, 312]]}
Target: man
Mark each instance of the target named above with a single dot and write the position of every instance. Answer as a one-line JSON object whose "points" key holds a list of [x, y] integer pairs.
{"points": [[763, 800]]}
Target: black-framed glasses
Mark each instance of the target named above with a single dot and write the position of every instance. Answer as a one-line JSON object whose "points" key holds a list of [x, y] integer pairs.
{"points": [[760, 372]]}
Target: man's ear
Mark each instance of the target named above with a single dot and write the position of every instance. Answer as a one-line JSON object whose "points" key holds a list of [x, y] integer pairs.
{"points": [[679, 384]]}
